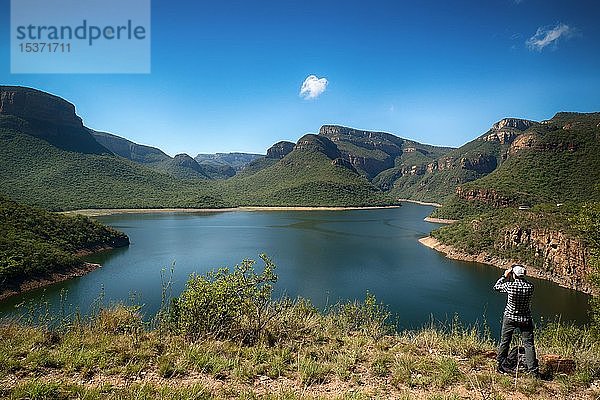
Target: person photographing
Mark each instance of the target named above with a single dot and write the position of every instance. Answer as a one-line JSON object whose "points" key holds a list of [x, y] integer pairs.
{"points": [[517, 315]]}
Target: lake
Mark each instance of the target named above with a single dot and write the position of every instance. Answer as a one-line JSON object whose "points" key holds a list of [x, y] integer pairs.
{"points": [[325, 256]]}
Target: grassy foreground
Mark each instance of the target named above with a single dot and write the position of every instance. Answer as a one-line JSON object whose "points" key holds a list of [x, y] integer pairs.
{"points": [[251, 346], [113, 356]]}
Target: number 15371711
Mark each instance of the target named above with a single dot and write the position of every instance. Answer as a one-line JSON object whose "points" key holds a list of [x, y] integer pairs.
{"points": [[41, 47]]}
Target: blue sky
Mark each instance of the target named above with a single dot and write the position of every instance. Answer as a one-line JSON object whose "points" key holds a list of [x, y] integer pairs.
{"points": [[226, 75]]}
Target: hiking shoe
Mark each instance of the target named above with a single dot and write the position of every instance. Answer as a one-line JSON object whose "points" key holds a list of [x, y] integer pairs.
{"points": [[501, 370], [535, 374]]}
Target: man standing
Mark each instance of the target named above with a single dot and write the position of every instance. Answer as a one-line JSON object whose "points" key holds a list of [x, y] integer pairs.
{"points": [[517, 315]]}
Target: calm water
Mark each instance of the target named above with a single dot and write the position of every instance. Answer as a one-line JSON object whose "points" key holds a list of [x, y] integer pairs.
{"points": [[322, 255]]}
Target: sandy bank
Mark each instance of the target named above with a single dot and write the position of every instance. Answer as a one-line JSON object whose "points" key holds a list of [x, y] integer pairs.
{"points": [[503, 263], [111, 211], [440, 220], [423, 203]]}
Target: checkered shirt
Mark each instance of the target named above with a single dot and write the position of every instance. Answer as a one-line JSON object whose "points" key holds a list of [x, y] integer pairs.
{"points": [[519, 298]]}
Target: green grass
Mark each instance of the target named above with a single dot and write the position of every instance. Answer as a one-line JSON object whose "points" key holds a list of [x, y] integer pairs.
{"points": [[89, 357]]}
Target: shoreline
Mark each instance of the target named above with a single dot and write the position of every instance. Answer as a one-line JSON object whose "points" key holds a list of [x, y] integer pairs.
{"points": [[440, 220], [98, 212], [502, 263], [422, 203], [17, 287], [28, 285]]}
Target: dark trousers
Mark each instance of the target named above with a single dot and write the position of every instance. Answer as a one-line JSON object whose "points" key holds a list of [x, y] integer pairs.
{"points": [[526, 328]]}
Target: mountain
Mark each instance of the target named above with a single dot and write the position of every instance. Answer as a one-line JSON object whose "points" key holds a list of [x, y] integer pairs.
{"points": [[436, 180], [130, 150], [373, 153], [49, 159], [47, 117], [378, 157], [555, 161], [312, 174], [180, 166], [280, 150], [236, 161], [183, 166]]}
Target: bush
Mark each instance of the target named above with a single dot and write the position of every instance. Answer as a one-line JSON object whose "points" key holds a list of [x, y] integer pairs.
{"points": [[368, 316], [226, 304]]}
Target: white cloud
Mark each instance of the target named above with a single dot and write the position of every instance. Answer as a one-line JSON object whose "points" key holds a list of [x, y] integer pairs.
{"points": [[313, 87], [547, 36]]}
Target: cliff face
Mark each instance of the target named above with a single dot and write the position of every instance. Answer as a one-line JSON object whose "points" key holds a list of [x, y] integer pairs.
{"points": [[280, 149], [489, 196], [563, 259], [47, 117], [344, 163], [128, 149], [367, 151], [506, 130], [31, 104]]}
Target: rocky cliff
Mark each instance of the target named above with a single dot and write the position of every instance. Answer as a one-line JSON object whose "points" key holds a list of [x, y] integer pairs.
{"points": [[128, 149], [48, 117], [31, 104], [280, 149], [368, 152], [506, 130], [558, 257], [488, 196]]}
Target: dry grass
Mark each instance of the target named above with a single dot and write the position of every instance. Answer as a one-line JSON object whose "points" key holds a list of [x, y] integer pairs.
{"points": [[112, 356]]}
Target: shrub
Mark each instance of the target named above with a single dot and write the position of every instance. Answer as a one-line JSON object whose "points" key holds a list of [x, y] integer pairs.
{"points": [[368, 316], [226, 304]]}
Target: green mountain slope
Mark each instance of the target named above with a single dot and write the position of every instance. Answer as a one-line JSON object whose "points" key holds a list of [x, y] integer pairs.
{"points": [[309, 175], [557, 161], [35, 172], [437, 180], [180, 166], [35, 242], [38, 167]]}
